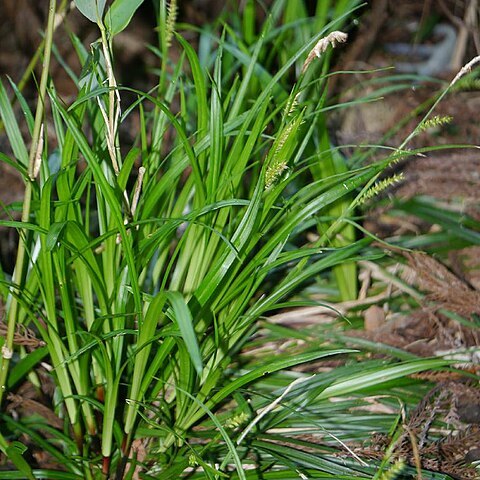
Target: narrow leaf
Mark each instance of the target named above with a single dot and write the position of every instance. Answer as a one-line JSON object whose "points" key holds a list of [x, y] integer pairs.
{"points": [[12, 128], [14, 453], [25, 365], [184, 321], [367, 379]]}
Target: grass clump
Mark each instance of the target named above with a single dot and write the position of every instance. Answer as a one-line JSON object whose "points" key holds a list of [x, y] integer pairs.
{"points": [[145, 268]]}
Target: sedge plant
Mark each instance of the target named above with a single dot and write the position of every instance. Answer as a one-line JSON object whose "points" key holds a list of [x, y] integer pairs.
{"points": [[145, 268]]}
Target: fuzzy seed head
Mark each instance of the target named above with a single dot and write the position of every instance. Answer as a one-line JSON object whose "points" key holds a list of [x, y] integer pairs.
{"points": [[237, 420], [332, 39], [436, 121], [381, 186], [172, 11]]}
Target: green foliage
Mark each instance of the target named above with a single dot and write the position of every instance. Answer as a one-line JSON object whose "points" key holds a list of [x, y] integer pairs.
{"points": [[148, 269], [396, 469], [116, 18], [92, 9]]}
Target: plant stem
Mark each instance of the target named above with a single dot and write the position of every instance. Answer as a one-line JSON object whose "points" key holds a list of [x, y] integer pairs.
{"points": [[112, 117], [62, 13], [17, 279]]}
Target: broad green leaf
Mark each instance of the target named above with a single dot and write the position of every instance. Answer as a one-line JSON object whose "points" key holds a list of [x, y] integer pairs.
{"points": [[92, 9], [119, 14]]}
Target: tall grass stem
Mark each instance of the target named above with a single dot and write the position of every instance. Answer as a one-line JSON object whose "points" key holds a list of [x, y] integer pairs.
{"points": [[13, 304]]}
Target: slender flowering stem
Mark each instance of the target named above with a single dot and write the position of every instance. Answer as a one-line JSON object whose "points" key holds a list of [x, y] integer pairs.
{"points": [[33, 167]]}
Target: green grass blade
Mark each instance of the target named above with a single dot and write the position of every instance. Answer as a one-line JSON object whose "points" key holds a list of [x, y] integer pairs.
{"points": [[184, 320], [11, 127]]}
